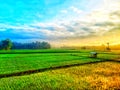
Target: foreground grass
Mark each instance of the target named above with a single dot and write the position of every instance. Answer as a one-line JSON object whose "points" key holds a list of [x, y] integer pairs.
{"points": [[101, 76]]}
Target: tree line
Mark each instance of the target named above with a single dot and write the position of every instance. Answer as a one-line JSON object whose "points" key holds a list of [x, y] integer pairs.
{"points": [[7, 44]]}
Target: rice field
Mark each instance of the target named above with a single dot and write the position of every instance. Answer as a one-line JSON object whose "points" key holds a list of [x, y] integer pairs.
{"points": [[100, 76], [18, 61], [91, 76]]}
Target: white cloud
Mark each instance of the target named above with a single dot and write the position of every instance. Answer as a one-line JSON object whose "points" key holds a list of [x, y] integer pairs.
{"points": [[76, 10], [2, 29], [64, 11], [17, 28]]}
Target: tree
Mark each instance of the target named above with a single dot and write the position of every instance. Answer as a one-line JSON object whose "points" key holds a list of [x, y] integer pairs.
{"points": [[45, 45], [32, 45], [6, 44]]}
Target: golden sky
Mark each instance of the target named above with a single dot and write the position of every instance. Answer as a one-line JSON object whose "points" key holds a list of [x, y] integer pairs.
{"points": [[100, 26]]}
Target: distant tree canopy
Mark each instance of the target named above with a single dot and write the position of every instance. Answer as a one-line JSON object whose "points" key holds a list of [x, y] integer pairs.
{"points": [[7, 45], [32, 45]]}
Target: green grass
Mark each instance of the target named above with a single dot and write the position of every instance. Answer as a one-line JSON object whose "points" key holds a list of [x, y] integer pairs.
{"points": [[100, 76], [40, 51], [23, 60]]}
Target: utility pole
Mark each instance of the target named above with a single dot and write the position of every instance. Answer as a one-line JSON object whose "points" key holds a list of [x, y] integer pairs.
{"points": [[108, 46]]}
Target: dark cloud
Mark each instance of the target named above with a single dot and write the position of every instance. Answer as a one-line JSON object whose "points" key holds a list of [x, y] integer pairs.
{"points": [[102, 24], [12, 34]]}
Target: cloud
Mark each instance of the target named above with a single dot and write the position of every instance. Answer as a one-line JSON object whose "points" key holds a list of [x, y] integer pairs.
{"points": [[76, 10], [64, 11], [63, 30], [2, 29], [20, 32], [97, 22]]}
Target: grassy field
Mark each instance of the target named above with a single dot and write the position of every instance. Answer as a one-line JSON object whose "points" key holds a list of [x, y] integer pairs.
{"points": [[101, 76], [23, 60], [92, 76]]}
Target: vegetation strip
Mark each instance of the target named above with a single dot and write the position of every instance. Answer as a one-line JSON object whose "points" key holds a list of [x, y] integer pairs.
{"points": [[32, 52], [42, 51], [50, 68]]}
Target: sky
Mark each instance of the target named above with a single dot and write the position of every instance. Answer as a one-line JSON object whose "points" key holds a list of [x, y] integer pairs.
{"points": [[61, 22]]}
